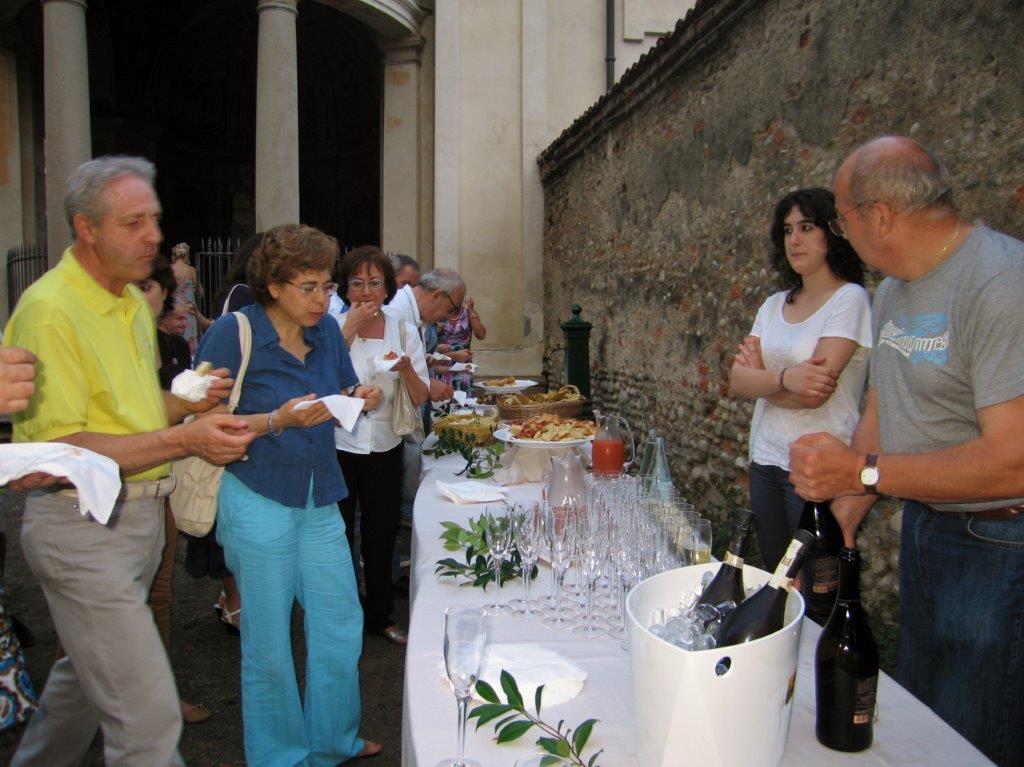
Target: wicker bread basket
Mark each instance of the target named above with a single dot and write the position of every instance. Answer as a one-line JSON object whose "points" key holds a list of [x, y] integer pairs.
{"points": [[481, 427], [509, 408]]}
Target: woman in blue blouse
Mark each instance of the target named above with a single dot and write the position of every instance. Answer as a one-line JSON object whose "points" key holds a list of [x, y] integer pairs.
{"points": [[277, 516]]}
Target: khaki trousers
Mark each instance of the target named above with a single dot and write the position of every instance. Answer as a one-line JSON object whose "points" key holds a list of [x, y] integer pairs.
{"points": [[116, 674]]}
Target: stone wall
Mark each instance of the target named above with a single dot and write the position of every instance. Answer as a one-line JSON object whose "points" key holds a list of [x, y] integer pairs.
{"points": [[658, 199]]}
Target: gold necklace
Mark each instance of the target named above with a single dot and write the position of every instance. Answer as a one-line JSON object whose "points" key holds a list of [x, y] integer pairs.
{"points": [[948, 243]]}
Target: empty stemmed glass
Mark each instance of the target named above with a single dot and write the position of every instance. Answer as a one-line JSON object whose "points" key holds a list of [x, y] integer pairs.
{"points": [[498, 537], [527, 532], [560, 533], [592, 535], [465, 637]]}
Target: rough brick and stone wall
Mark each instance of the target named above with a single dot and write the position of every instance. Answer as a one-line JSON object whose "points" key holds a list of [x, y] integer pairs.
{"points": [[658, 200]]}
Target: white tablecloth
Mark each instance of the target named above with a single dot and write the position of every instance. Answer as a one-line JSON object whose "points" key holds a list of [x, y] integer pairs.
{"points": [[906, 733]]}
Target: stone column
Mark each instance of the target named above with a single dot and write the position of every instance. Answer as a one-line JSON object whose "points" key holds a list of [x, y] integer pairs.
{"points": [[66, 101], [399, 182], [446, 134], [277, 116]]}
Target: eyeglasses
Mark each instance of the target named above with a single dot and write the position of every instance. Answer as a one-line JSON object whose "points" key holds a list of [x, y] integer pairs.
{"points": [[455, 310], [838, 224], [309, 288], [360, 284]]}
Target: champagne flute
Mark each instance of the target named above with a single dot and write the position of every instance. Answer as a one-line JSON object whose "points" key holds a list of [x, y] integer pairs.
{"points": [[465, 636], [593, 546], [699, 543], [560, 531], [498, 537], [526, 531]]}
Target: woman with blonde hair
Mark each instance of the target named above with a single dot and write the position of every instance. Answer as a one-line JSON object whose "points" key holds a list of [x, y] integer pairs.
{"points": [[187, 290]]}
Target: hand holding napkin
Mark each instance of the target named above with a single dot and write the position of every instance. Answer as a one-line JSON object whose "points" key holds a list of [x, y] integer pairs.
{"points": [[345, 409], [97, 477], [471, 492], [190, 386]]}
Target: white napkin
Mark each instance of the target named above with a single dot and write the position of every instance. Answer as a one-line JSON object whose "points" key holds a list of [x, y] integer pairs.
{"points": [[459, 396], [435, 357], [190, 386], [532, 665], [379, 365], [97, 477], [470, 491], [458, 367], [345, 409]]}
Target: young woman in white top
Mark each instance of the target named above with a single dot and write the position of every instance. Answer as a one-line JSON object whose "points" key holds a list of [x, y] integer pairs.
{"points": [[371, 456], [805, 360]]}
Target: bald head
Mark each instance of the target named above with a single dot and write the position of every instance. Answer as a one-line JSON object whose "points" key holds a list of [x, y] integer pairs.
{"points": [[898, 171]]}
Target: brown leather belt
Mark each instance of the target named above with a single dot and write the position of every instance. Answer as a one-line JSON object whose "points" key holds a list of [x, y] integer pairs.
{"points": [[1003, 512]]}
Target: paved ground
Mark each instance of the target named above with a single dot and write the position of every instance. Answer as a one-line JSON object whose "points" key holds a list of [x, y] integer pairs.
{"points": [[206, 661]]}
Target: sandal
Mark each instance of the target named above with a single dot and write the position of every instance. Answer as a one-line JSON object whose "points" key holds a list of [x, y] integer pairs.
{"points": [[395, 635], [369, 749], [194, 713], [231, 621]]}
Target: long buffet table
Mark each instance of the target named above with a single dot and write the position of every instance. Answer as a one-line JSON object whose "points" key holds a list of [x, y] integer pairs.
{"points": [[906, 733]]}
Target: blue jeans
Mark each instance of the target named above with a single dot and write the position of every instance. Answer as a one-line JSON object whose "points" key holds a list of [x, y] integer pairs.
{"points": [[777, 509], [281, 554], [962, 625]]}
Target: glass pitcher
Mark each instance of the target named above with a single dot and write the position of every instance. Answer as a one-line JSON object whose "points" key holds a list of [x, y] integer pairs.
{"points": [[608, 455], [567, 485]]}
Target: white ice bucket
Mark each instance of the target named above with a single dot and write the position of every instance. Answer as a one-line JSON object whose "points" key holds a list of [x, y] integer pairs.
{"points": [[686, 711]]}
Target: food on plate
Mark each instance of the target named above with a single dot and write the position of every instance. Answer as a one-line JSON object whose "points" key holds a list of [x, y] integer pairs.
{"points": [[481, 427], [565, 394], [486, 399], [391, 356], [496, 382], [551, 428]]}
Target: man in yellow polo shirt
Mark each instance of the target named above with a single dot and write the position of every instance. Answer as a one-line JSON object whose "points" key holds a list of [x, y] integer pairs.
{"points": [[97, 387]]}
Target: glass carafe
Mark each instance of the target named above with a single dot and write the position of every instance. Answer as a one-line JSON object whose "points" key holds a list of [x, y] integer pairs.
{"points": [[609, 447], [567, 485]]}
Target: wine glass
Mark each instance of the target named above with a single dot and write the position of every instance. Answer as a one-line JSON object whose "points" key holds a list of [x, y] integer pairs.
{"points": [[699, 543], [465, 636], [560, 532], [498, 537], [526, 530]]}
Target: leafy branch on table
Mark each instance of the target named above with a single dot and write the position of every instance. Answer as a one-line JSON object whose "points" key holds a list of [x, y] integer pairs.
{"points": [[516, 721], [478, 569], [480, 459]]}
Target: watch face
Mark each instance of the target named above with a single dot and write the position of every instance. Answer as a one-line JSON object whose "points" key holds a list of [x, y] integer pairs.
{"points": [[869, 476]]}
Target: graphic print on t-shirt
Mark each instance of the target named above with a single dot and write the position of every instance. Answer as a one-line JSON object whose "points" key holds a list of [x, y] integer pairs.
{"points": [[920, 338]]}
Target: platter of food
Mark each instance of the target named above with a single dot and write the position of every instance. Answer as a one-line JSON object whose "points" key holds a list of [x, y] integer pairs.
{"points": [[506, 385], [546, 431]]}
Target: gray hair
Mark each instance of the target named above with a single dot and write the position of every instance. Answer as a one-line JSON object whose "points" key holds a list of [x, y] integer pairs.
{"points": [[909, 178], [445, 280], [400, 261], [87, 183]]}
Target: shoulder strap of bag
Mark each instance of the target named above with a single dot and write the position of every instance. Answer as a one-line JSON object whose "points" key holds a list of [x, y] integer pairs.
{"points": [[401, 335], [245, 342], [227, 299]]}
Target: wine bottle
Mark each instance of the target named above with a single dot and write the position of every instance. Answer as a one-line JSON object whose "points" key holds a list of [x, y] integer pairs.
{"points": [[728, 581], [763, 613], [819, 577], [846, 666]]}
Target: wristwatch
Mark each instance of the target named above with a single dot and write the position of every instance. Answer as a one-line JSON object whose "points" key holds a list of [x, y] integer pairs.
{"points": [[869, 475]]}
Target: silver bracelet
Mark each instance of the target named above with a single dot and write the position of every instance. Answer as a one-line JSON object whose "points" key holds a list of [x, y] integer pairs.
{"points": [[270, 424]]}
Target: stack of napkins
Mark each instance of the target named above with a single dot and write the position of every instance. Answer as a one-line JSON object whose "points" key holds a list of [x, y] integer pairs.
{"points": [[471, 491], [97, 477], [532, 666]]}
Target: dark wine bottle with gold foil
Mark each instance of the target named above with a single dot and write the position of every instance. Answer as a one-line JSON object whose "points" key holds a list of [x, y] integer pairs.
{"points": [[846, 667], [819, 577], [765, 611], [727, 585]]}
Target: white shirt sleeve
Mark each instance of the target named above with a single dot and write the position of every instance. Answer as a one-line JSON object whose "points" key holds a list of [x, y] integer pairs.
{"points": [[414, 350], [850, 316]]}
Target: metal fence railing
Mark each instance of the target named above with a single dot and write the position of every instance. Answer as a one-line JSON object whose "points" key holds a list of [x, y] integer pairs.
{"points": [[25, 265], [212, 260]]}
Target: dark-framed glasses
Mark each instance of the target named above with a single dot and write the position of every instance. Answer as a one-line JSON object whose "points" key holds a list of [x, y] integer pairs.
{"points": [[838, 224], [309, 288], [455, 310]]}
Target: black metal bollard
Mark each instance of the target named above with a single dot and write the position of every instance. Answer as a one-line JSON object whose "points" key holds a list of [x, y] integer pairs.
{"points": [[577, 355]]}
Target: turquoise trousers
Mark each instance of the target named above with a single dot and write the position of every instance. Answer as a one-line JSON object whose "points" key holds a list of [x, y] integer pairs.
{"points": [[279, 555]]}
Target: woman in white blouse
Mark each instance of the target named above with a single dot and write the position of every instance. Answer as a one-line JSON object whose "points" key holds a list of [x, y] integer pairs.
{"points": [[371, 455], [806, 358]]}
